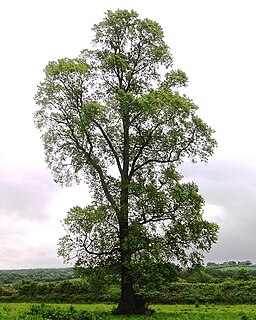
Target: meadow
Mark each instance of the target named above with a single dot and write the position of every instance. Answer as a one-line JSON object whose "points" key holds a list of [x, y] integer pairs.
{"points": [[20, 311], [219, 293]]}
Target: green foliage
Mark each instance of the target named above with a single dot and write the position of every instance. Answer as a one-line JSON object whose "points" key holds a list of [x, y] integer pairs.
{"points": [[66, 67], [93, 222], [54, 313], [197, 274], [101, 280], [229, 292], [243, 274], [158, 283], [227, 272], [152, 276], [115, 118]]}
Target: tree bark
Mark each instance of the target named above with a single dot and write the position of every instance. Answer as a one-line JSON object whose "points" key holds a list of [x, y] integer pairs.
{"points": [[129, 302]]}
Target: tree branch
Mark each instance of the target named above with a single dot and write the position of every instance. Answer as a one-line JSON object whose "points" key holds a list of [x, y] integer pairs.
{"points": [[101, 253], [169, 159], [140, 151], [110, 146], [94, 164]]}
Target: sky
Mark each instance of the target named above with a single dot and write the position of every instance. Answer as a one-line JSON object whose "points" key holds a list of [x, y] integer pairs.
{"points": [[212, 41]]}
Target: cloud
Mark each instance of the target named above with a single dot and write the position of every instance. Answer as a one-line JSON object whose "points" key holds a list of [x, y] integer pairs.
{"points": [[31, 207], [32, 257], [214, 213], [25, 194], [228, 187]]}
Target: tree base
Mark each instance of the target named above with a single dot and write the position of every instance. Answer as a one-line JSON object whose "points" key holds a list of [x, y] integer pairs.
{"points": [[139, 307]]}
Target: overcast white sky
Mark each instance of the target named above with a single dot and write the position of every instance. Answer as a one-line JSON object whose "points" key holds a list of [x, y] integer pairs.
{"points": [[212, 41]]}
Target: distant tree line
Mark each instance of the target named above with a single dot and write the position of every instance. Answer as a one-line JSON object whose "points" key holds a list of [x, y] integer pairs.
{"points": [[47, 275], [230, 263]]}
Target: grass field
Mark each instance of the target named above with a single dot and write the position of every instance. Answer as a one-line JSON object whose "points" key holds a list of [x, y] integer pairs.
{"points": [[17, 311]]}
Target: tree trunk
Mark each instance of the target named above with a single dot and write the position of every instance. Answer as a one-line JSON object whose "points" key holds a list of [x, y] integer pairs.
{"points": [[129, 302]]}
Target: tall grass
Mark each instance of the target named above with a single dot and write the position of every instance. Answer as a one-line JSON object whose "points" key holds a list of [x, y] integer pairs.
{"points": [[103, 311]]}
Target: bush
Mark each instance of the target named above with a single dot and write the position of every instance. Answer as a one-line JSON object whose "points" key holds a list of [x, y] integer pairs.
{"points": [[53, 313]]}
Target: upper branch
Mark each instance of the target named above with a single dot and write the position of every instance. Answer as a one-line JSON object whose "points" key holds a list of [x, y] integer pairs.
{"points": [[92, 161], [140, 151], [169, 159], [110, 146]]}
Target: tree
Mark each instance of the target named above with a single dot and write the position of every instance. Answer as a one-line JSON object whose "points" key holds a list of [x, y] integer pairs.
{"points": [[212, 264], [114, 117]]}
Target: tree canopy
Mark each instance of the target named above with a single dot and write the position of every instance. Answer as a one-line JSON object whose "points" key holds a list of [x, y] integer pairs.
{"points": [[115, 118]]}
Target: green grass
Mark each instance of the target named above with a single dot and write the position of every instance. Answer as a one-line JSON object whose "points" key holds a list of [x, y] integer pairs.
{"points": [[17, 311]]}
